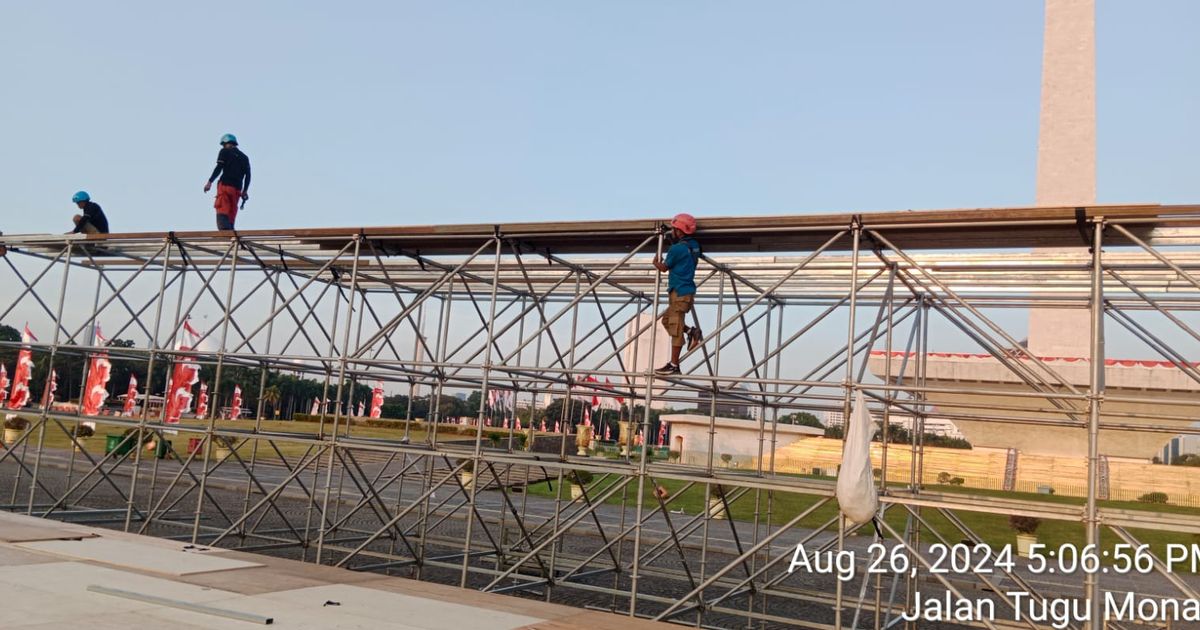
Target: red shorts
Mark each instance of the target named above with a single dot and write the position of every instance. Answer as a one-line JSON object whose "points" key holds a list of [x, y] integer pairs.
{"points": [[227, 201]]}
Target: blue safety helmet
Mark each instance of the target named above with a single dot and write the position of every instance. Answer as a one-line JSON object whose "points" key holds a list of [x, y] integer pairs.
{"points": [[228, 138], [80, 196]]}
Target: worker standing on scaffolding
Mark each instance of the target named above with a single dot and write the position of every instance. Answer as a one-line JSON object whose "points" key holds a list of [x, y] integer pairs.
{"points": [[234, 168], [680, 265], [92, 219]]}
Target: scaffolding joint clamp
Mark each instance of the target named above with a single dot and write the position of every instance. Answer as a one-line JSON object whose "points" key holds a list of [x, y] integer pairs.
{"points": [[1083, 224]]}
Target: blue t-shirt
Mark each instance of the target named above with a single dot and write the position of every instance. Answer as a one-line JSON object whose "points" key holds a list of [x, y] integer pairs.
{"points": [[681, 262]]}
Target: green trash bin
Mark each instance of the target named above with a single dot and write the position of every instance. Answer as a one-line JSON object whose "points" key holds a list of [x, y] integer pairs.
{"points": [[113, 443]]}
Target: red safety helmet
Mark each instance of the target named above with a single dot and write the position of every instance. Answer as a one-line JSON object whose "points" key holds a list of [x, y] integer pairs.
{"points": [[684, 222]]}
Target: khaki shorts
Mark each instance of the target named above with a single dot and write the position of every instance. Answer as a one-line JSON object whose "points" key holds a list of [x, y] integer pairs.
{"points": [[674, 320]]}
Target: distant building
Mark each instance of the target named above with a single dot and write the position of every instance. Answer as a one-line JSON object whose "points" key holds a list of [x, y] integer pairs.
{"points": [[740, 439], [733, 403], [1178, 446], [933, 426]]}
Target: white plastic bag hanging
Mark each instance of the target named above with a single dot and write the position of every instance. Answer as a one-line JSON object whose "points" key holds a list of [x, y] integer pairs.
{"points": [[856, 494]]}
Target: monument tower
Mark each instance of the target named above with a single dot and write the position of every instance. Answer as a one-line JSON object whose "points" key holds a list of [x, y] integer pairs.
{"points": [[1060, 337], [1066, 158]]}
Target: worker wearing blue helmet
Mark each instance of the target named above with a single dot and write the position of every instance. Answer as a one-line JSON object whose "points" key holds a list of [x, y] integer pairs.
{"points": [[92, 221], [233, 167]]}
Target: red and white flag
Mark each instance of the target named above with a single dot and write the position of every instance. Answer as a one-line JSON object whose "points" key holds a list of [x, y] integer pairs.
{"points": [[377, 400], [202, 402], [587, 416], [130, 396], [316, 407], [361, 408], [519, 423], [184, 375], [51, 390], [99, 372], [235, 407], [607, 433], [585, 393], [543, 425], [662, 433], [557, 426], [195, 335], [638, 440], [617, 400], [3, 385], [19, 397]]}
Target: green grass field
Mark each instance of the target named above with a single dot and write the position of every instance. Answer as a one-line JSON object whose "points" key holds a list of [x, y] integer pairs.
{"points": [[55, 437], [993, 529], [779, 507]]}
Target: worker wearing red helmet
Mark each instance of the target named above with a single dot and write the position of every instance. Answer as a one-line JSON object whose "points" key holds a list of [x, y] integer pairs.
{"points": [[680, 266]]}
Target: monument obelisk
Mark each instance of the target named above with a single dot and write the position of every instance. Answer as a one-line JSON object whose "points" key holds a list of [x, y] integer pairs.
{"points": [[1066, 161]]}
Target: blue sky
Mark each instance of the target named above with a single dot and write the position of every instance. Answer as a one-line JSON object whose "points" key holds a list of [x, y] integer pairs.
{"points": [[397, 113]]}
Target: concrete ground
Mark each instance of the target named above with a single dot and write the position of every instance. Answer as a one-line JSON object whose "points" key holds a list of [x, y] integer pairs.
{"points": [[49, 572]]}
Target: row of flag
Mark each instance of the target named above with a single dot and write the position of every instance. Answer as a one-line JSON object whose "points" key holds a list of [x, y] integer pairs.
{"points": [[185, 374], [19, 397], [502, 403], [320, 406]]}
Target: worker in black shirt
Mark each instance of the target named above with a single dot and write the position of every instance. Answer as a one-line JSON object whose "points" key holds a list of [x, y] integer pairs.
{"points": [[234, 168], [92, 221]]}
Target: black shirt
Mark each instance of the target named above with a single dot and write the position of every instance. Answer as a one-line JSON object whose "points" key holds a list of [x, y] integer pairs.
{"points": [[234, 168], [92, 214]]}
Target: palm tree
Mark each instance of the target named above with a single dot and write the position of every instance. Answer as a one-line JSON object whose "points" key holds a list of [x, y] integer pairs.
{"points": [[271, 396]]}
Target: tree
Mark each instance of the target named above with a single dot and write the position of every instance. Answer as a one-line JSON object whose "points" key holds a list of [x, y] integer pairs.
{"points": [[554, 411], [271, 396], [802, 418]]}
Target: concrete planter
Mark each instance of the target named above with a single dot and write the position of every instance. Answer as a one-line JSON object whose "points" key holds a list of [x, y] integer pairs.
{"points": [[12, 435], [716, 509], [583, 439], [576, 492], [1024, 541], [626, 437], [80, 443], [220, 452], [467, 479]]}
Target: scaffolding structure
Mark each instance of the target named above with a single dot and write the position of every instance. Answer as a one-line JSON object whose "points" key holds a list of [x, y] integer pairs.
{"points": [[791, 307]]}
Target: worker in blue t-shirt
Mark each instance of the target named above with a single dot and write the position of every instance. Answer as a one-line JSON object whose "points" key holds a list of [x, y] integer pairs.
{"points": [[680, 265]]}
